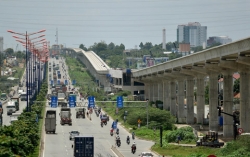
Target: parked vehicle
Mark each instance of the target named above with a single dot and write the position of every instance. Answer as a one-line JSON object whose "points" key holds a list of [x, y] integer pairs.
{"points": [[65, 115], [11, 107], [50, 121]]}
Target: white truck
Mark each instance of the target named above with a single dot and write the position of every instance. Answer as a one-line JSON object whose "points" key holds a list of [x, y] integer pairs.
{"points": [[50, 121], [11, 107]]}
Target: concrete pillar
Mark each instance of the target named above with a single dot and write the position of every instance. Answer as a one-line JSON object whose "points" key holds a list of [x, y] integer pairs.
{"points": [[228, 103], [245, 100], [146, 90], [200, 94], [155, 96], [181, 96], [151, 92], [190, 100], [172, 97], [166, 98], [213, 101], [160, 91]]}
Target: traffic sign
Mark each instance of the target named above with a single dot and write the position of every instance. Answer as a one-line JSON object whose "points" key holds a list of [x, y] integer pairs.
{"points": [[119, 101], [139, 121], [66, 82], [84, 146], [51, 82], [72, 101], [114, 125], [240, 130], [58, 81], [53, 102], [91, 100], [73, 82]]}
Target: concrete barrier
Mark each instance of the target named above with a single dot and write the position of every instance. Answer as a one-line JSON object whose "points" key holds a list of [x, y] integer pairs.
{"points": [[116, 151]]}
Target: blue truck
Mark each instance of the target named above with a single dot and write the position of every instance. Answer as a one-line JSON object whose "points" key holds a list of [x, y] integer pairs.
{"points": [[83, 146]]}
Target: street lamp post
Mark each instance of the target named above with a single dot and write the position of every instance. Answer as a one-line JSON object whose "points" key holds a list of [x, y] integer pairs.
{"points": [[26, 35]]}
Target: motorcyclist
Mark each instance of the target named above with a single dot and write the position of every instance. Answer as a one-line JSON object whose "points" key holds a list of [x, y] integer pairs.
{"points": [[118, 140], [117, 131], [133, 146], [128, 138], [133, 135]]}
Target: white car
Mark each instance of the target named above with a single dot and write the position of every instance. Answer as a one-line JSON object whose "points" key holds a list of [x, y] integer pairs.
{"points": [[146, 154], [72, 134], [20, 91]]}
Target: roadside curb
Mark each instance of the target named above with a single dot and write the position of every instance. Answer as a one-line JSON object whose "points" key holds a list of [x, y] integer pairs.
{"points": [[116, 151]]}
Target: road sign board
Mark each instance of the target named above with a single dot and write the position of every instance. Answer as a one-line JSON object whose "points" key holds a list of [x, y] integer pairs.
{"points": [[72, 101], [51, 82], [66, 82], [119, 101], [58, 81], [73, 82], [53, 102], [114, 125], [240, 130], [91, 100], [84, 146]]}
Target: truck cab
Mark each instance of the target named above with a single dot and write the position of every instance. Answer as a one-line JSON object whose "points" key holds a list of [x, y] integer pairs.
{"points": [[23, 96], [11, 107], [16, 100]]}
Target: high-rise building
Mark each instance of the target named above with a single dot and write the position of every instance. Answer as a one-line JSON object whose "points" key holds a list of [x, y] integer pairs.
{"points": [[218, 39], [192, 33], [1, 44]]}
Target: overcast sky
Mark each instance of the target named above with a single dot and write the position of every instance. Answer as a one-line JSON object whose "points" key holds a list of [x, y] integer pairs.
{"points": [[120, 21]]}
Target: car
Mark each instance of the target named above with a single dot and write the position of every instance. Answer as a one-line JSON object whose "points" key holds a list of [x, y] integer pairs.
{"points": [[146, 154], [72, 134]]}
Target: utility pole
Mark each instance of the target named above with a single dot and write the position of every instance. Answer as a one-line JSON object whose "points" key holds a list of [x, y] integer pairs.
{"points": [[147, 113]]}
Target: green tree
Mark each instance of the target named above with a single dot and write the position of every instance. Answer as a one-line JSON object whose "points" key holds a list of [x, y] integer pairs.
{"points": [[148, 45], [111, 46], [83, 47], [9, 52], [237, 86], [122, 46], [197, 49], [141, 45]]}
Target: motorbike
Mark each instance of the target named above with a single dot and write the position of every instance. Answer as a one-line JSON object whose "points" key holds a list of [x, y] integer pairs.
{"points": [[118, 143], [117, 132], [133, 137], [133, 149], [111, 132], [101, 124], [128, 141]]}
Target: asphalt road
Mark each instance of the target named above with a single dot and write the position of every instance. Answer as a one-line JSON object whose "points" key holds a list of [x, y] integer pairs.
{"points": [[59, 145]]}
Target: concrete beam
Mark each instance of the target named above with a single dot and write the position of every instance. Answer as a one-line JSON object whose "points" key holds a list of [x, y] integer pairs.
{"points": [[229, 64], [190, 72], [243, 60], [200, 70]]}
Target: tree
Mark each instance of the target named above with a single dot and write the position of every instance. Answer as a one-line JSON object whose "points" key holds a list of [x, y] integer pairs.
{"points": [[197, 49], [111, 46], [83, 47], [141, 45], [237, 86], [9, 52], [148, 45], [122, 47], [102, 46]]}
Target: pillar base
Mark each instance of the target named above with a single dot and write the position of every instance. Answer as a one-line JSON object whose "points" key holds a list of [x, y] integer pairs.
{"points": [[182, 120]]}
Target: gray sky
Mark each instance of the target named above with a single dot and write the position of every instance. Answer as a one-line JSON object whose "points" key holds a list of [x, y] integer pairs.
{"points": [[121, 21]]}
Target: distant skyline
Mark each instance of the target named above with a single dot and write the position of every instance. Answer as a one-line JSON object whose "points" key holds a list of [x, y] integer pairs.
{"points": [[120, 21]]}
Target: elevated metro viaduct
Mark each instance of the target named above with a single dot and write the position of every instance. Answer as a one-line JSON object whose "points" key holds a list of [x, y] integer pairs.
{"points": [[161, 81], [102, 72]]}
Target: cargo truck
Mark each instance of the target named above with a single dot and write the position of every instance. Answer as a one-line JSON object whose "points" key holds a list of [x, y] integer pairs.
{"points": [[50, 121], [65, 115]]}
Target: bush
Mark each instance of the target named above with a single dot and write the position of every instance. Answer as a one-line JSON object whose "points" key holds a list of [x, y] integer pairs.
{"points": [[186, 134]]}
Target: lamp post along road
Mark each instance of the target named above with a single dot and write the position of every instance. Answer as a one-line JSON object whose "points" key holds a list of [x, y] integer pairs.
{"points": [[28, 60]]}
